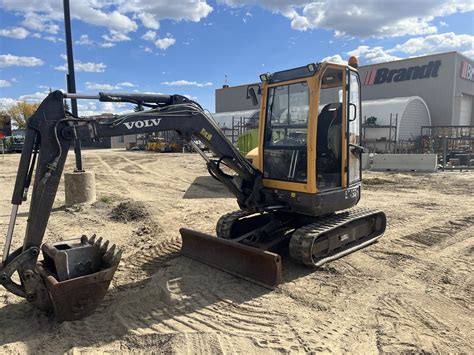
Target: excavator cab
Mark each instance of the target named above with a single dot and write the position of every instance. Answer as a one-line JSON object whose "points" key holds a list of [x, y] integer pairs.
{"points": [[310, 137]]}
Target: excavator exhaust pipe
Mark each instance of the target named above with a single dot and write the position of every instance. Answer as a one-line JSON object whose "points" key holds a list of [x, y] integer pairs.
{"points": [[77, 275], [255, 265]]}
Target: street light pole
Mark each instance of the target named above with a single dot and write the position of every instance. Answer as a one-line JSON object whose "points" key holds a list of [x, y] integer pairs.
{"points": [[71, 78]]}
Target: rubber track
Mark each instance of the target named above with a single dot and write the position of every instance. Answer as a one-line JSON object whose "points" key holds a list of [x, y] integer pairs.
{"points": [[302, 239], [225, 223]]}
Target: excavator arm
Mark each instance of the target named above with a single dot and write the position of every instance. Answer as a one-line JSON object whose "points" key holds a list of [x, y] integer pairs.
{"points": [[50, 133]]}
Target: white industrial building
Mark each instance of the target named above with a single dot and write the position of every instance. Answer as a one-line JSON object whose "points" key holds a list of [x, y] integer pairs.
{"points": [[444, 81], [391, 122]]}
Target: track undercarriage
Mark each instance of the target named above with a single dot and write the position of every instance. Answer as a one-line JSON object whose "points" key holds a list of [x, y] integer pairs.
{"points": [[311, 241]]}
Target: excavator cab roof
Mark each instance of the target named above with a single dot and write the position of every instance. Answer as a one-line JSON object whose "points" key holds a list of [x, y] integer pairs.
{"points": [[297, 73]]}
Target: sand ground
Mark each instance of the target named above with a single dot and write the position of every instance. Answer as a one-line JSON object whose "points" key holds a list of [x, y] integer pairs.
{"points": [[410, 292]]}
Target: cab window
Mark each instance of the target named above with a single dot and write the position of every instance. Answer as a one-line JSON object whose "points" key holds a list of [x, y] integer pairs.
{"points": [[286, 130]]}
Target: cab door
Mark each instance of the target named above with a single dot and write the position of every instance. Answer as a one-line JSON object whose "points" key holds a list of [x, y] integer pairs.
{"points": [[354, 149], [331, 129], [285, 136]]}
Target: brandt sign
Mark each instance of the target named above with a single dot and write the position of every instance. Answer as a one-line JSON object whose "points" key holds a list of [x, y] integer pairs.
{"points": [[467, 71], [386, 75]]}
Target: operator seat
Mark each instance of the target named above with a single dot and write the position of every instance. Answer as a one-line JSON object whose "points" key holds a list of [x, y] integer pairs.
{"points": [[329, 130]]}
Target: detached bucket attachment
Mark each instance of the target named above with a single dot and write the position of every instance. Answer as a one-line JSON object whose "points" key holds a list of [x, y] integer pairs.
{"points": [[258, 266], [77, 274]]}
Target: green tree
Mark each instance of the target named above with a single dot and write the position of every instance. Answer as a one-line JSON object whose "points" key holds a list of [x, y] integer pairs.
{"points": [[21, 111], [138, 108], [4, 118]]}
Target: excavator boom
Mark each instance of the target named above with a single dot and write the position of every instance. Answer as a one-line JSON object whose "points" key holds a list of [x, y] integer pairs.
{"points": [[61, 281]]}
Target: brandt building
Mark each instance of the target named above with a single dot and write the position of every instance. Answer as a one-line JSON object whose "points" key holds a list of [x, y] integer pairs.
{"points": [[444, 81]]}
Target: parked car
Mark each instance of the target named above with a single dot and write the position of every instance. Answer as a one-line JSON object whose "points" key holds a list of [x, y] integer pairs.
{"points": [[13, 144]]}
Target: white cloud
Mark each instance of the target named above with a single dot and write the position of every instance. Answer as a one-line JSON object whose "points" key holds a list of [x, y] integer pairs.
{"points": [[14, 32], [93, 108], [4, 83], [246, 17], [164, 43], [189, 10], [53, 39], [334, 59], [127, 84], [443, 42], [191, 97], [88, 67], [116, 36], [186, 83], [377, 18], [95, 13], [84, 40], [372, 54], [107, 45], [148, 50], [35, 97], [96, 86], [149, 21], [9, 60], [51, 28], [117, 15], [149, 36], [115, 108], [417, 46], [87, 108], [7, 102], [39, 23]]}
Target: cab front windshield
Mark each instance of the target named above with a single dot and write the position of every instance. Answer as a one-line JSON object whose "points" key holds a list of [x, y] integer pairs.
{"points": [[285, 144]]}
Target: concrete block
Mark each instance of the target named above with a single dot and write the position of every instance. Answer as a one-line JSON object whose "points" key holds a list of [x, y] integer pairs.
{"points": [[365, 161], [79, 187], [405, 162]]}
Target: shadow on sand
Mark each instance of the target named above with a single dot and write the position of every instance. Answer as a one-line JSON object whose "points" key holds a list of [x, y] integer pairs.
{"points": [[206, 187], [144, 304]]}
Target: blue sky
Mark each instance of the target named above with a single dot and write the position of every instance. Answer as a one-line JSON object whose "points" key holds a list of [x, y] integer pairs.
{"points": [[189, 46]]}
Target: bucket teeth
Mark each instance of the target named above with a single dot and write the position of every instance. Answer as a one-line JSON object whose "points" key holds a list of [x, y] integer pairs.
{"points": [[111, 254], [98, 242], [104, 247]]}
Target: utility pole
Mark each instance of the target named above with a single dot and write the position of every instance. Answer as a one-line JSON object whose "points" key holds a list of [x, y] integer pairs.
{"points": [[71, 78]]}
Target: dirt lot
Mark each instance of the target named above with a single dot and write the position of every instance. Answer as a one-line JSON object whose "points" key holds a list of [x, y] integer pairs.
{"points": [[410, 292]]}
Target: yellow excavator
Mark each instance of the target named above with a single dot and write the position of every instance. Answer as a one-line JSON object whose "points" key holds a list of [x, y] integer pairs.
{"points": [[295, 191]]}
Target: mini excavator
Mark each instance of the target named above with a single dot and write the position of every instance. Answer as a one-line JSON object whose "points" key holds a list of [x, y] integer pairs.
{"points": [[295, 191]]}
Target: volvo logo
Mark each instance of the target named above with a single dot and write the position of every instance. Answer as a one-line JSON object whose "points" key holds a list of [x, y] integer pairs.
{"points": [[386, 75], [143, 124]]}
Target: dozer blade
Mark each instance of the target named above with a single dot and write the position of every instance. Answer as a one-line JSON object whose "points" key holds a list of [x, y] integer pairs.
{"points": [[77, 274], [252, 264]]}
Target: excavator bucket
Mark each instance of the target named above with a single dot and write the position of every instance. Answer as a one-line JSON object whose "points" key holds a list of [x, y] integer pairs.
{"points": [[258, 266], [77, 274]]}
